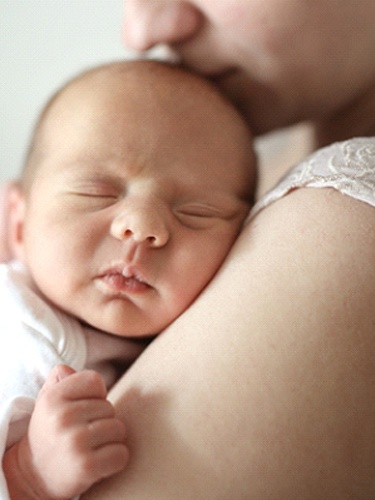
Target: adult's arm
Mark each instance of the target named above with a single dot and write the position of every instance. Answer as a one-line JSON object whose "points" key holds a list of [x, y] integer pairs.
{"points": [[264, 388]]}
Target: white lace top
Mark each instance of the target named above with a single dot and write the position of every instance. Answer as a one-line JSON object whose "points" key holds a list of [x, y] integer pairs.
{"points": [[348, 167]]}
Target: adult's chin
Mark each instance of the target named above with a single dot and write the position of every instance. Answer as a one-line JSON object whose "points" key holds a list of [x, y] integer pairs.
{"points": [[259, 104]]}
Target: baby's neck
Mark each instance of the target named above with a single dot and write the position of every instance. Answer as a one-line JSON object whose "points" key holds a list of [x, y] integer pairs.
{"points": [[357, 119]]}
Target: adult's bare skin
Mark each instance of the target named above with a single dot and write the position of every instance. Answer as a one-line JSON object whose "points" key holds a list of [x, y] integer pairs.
{"points": [[274, 403], [263, 389], [281, 61]]}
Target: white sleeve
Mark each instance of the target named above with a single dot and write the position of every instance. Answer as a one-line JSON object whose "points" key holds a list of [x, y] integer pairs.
{"points": [[33, 339]]}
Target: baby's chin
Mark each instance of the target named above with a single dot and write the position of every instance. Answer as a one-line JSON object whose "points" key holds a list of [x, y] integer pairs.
{"points": [[115, 332], [143, 330]]}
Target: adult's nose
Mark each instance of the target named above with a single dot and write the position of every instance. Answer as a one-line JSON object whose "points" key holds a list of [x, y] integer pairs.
{"points": [[142, 223], [150, 22]]}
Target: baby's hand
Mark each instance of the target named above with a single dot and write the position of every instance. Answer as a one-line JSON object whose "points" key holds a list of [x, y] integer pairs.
{"points": [[74, 438]]}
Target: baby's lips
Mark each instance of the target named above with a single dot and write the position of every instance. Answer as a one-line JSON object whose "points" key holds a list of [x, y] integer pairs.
{"points": [[121, 278], [125, 284]]}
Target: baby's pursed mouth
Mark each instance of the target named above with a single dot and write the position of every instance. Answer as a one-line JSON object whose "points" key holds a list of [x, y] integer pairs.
{"points": [[125, 283], [122, 279]]}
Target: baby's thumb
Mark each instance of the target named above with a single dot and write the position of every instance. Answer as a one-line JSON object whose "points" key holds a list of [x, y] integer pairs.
{"points": [[58, 373]]}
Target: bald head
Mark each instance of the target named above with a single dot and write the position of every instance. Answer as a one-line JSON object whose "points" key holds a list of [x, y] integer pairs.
{"points": [[130, 88]]}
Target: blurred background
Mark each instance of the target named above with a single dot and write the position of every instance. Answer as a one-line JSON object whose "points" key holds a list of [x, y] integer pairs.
{"points": [[42, 44], [45, 42]]}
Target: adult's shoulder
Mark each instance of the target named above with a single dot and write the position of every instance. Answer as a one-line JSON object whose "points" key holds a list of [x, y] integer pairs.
{"points": [[347, 166], [264, 387]]}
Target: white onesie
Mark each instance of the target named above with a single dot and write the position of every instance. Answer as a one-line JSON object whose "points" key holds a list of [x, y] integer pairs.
{"points": [[35, 337]]}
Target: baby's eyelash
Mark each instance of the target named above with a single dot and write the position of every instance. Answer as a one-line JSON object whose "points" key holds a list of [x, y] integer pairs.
{"points": [[88, 194], [198, 210], [196, 213], [196, 216], [96, 189]]}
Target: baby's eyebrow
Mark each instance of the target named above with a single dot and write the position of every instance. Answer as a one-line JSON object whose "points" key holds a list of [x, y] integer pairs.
{"points": [[88, 170]]}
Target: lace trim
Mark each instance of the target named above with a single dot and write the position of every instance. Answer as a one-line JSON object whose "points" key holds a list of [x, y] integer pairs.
{"points": [[348, 167]]}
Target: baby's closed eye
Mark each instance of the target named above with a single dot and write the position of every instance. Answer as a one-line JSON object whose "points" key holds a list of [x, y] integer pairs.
{"points": [[197, 215]]}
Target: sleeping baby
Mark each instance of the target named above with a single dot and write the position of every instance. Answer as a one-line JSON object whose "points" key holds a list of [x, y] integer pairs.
{"points": [[137, 181]]}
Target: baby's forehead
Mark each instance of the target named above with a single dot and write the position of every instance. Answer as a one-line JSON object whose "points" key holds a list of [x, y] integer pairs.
{"points": [[135, 89], [110, 112], [144, 80]]}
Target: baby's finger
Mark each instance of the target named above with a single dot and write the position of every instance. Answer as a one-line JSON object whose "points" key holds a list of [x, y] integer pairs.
{"points": [[87, 384], [89, 410], [56, 375], [110, 459], [104, 432]]}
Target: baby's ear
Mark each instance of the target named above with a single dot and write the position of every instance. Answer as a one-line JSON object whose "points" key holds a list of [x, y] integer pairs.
{"points": [[17, 210]]}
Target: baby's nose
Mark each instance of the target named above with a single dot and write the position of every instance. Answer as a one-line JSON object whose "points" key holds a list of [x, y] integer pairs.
{"points": [[141, 225]]}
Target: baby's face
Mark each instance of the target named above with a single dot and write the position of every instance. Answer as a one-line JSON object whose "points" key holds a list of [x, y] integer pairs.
{"points": [[137, 199]]}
